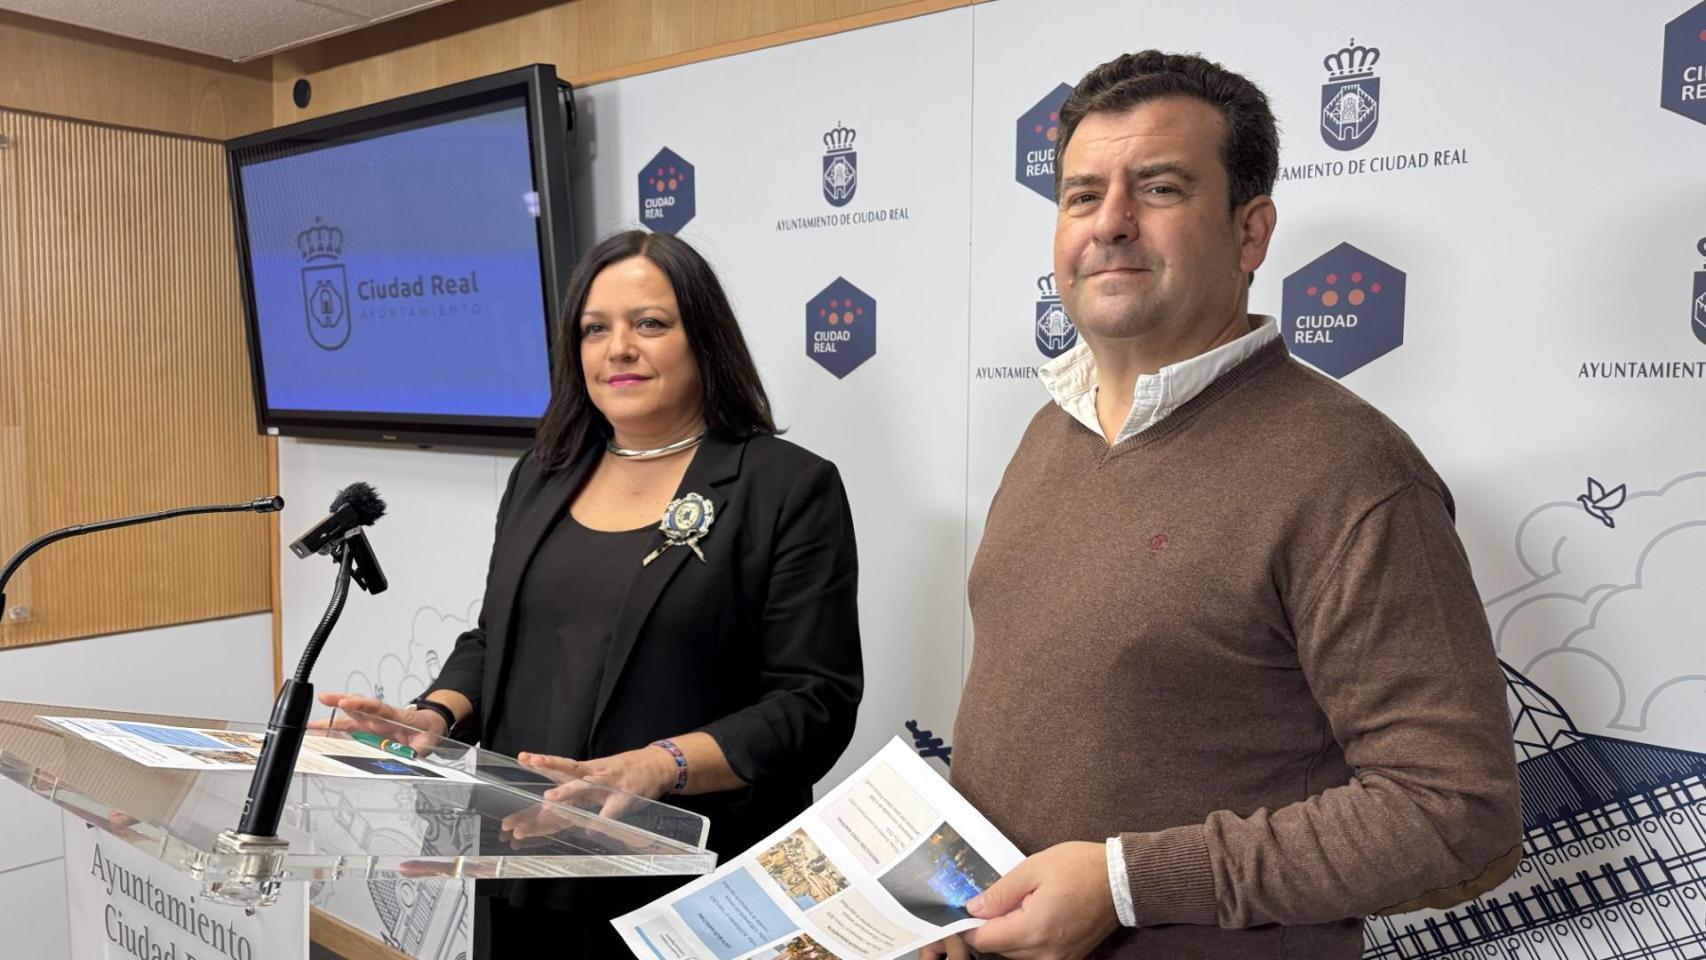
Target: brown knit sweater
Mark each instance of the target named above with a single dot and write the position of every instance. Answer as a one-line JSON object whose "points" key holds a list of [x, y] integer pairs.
{"points": [[1246, 641]]}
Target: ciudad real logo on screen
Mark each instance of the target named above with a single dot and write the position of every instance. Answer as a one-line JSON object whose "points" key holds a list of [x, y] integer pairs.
{"points": [[326, 289]]}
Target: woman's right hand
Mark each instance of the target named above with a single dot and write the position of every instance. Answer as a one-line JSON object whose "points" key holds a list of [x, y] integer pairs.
{"points": [[417, 728]]}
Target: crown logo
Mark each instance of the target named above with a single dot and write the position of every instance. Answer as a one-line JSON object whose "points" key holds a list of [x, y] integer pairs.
{"points": [[1351, 62], [840, 140], [320, 242], [1054, 329]]}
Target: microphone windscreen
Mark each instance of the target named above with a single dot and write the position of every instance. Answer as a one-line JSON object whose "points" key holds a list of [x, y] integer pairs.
{"points": [[363, 499]]}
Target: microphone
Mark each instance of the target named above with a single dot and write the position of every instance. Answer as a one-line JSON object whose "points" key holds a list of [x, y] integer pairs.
{"points": [[271, 504], [342, 535], [357, 505]]}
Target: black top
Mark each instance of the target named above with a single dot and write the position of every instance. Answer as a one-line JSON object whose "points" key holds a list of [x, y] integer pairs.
{"points": [[756, 645], [565, 614]]}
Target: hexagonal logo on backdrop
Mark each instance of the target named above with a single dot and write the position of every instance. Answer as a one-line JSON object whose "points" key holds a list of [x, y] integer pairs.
{"points": [[1343, 309], [1684, 89], [841, 327], [667, 187], [1038, 129]]}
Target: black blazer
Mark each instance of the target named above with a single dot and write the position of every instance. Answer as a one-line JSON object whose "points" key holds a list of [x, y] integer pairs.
{"points": [[758, 645]]}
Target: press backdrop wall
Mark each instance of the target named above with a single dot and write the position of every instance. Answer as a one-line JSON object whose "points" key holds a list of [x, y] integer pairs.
{"points": [[1491, 224]]}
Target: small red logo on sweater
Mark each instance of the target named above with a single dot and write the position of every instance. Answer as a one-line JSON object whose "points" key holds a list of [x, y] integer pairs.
{"points": [[1158, 542]]}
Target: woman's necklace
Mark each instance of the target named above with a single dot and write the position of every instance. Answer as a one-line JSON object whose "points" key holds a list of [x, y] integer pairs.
{"points": [[655, 452]]}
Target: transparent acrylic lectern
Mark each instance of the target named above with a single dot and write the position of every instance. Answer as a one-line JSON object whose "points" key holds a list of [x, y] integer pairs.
{"points": [[497, 826]]}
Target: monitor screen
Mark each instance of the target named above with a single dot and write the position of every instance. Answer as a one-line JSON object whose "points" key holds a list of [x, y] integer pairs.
{"points": [[395, 273]]}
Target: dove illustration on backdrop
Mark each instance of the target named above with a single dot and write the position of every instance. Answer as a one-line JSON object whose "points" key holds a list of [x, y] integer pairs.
{"points": [[1599, 502]]}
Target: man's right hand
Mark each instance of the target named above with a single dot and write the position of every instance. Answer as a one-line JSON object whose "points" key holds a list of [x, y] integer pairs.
{"points": [[951, 947]]}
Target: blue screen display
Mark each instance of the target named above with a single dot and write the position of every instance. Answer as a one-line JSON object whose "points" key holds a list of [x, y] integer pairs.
{"points": [[399, 274]]}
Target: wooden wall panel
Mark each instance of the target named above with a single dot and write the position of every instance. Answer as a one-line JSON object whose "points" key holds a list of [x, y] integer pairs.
{"points": [[133, 378], [13, 495], [587, 40], [67, 71]]}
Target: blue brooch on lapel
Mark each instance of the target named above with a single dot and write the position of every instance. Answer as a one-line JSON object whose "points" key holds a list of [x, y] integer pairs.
{"points": [[684, 522]]}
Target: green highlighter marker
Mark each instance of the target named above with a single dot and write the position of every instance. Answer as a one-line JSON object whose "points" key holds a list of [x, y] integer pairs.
{"points": [[383, 743]]}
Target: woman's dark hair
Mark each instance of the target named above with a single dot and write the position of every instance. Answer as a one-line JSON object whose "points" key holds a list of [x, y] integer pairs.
{"points": [[734, 399]]}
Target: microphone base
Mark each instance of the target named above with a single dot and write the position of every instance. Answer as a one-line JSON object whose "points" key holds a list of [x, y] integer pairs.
{"points": [[269, 788], [259, 873]]}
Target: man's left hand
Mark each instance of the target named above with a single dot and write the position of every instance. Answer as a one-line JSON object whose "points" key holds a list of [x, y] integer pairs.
{"points": [[1054, 906]]}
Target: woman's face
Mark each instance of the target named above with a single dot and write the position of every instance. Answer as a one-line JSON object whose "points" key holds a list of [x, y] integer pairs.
{"points": [[640, 371]]}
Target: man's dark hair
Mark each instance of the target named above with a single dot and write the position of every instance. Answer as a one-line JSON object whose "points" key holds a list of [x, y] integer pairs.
{"points": [[735, 403], [1249, 148]]}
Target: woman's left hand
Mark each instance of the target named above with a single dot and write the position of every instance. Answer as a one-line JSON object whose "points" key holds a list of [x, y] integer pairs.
{"points": [[647, 772]]}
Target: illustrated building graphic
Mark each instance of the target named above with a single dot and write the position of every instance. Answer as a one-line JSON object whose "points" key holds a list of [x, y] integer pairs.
{"points": [[1614, 855]]}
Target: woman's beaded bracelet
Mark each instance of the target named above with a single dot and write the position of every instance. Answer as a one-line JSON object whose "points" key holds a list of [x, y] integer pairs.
{"points": [[680, 764]]}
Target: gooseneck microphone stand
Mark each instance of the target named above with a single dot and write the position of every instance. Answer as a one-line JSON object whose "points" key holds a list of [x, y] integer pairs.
{"points": [[271, 504], [289, 723], [255, 843]]}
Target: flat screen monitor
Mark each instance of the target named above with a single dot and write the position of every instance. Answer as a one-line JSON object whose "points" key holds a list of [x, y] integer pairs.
{"points": [[402, 263]]}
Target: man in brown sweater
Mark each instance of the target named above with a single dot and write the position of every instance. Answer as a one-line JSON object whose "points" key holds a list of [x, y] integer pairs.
{"points": [[1233, 688]]}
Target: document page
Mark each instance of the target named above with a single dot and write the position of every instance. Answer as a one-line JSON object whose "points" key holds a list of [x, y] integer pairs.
{"points": [[881, 866], [186, 748]]}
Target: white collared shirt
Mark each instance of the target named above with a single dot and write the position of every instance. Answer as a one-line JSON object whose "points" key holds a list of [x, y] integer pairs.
{"points": [[1071, 379]]}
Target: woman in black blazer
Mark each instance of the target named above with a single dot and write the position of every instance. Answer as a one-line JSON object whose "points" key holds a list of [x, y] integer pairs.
{"points": [[711, 659]]}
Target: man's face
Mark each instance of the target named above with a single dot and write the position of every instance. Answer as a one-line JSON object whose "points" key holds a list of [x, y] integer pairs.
{"points": [[1143, 240]]}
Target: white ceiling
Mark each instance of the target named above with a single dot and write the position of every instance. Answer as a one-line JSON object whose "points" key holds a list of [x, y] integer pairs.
{"points": [[228, 29]]}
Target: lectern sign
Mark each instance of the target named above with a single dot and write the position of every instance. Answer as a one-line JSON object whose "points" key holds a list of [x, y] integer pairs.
{"points": [[124, 905]]}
